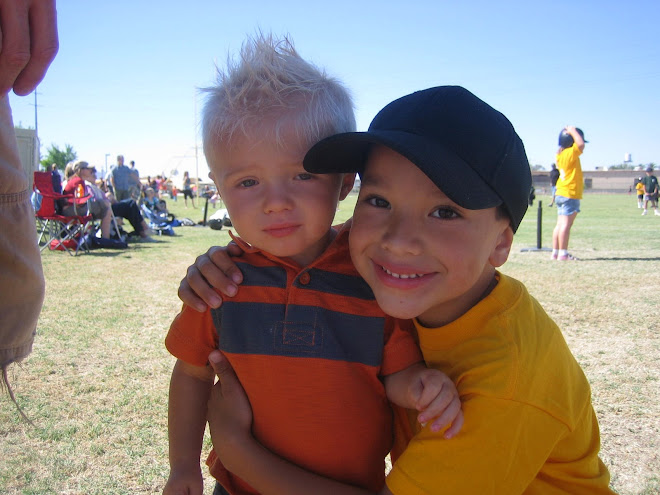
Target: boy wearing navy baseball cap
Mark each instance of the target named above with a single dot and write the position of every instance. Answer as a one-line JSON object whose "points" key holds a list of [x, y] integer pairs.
{"points": [[445, 184]]}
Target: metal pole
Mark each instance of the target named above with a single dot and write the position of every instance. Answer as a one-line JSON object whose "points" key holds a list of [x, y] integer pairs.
{"points": [[539, 221], [539, 218], [36, 122], [196, 159], [206, 209]]}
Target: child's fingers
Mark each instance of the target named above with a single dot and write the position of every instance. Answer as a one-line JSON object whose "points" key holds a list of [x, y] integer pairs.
{"points": [[222, 257], [195, 291], [441, 417], [455, 426], [436, 389], [436, 404]]}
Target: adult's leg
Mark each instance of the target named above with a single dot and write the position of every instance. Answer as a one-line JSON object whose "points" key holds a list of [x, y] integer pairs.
{"points": [[100, 210], [129, 210], [106, 222]]}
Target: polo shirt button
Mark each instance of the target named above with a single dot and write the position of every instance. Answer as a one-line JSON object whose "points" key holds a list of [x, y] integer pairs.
{"points": [[305, 278]]}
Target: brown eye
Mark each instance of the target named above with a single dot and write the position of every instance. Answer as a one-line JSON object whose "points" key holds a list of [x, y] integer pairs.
{"points": [[445, 213], [378, 202]]}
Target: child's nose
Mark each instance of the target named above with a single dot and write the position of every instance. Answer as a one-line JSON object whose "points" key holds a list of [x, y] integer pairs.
{"points": [[277, 198], [402, 236]]}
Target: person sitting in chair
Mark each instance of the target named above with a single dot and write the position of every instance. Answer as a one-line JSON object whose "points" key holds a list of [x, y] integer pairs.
{"points": [[127, 208], [76, 186]]}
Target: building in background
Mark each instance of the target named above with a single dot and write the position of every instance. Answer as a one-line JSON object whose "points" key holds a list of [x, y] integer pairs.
{"points": [[28, 150]]}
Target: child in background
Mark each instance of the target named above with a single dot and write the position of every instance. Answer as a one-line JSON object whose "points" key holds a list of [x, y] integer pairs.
{"points": [[569, 190], [150, 199], [639, 188], [316, 355], [445, 184], [650, 184]]}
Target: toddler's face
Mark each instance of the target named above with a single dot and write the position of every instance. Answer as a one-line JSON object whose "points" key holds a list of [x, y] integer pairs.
{"points": [[274, 204], [422, 254]]}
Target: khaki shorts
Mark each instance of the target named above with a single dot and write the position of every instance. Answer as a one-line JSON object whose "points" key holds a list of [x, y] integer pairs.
{"points": [[98, 209]]}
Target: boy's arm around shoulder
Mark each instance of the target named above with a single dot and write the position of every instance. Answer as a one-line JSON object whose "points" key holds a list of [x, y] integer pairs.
{"points": [[211, 270]]}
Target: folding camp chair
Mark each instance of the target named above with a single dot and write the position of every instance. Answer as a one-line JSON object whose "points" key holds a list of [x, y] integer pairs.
{"points": [[158, 222], [57, 231]]}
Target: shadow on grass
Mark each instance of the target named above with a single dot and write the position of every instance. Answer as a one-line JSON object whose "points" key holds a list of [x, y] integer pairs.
{"points": [[622, 258]]}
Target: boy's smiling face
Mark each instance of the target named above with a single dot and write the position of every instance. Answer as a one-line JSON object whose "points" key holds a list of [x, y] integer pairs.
{"points": [[422, 254], [273, 203]]}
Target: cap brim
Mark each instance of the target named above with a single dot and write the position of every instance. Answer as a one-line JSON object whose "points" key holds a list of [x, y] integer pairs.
{"points": [[349, 152]]}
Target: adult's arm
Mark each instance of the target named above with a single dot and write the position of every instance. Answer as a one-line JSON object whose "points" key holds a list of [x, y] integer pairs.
{"points": [[20, 260]]}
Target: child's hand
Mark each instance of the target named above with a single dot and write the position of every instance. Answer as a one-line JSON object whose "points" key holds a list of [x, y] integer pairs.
{"points": [[435, 396], [185, 482], [214, 269], [229, 411]]}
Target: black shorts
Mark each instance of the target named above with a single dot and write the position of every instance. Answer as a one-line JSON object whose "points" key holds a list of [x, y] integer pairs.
{"points": [[187, 193]]}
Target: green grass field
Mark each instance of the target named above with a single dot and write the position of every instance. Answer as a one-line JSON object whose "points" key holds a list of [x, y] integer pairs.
{"points": [[96, 383]]}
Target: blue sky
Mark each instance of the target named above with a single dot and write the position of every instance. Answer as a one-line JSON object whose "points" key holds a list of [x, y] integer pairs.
{"points": [[126, 77]]}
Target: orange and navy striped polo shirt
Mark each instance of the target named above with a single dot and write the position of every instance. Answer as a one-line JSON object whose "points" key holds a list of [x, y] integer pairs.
{"points": [[310, 346]]}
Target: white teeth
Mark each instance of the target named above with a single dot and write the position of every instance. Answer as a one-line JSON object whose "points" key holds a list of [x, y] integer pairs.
{"points": [[398, 275]]}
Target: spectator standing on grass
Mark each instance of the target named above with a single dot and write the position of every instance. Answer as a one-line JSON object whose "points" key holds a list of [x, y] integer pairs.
{"points": [[29, 45], [570, 186], [650, 183], [554, 176], [639, 187], [134, 189], [162, 188], [187, 190], [121, 178]]}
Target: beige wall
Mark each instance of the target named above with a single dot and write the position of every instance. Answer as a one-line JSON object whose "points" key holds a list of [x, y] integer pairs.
{"points": [[28, 149]]}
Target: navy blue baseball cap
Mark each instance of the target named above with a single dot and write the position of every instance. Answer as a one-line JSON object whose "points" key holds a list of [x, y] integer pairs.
{"points": [[467, 148], [566, 140]]}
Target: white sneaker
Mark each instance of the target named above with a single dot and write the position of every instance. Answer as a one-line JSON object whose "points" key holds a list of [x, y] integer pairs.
{"points": [[644, 213], [657, 212]]}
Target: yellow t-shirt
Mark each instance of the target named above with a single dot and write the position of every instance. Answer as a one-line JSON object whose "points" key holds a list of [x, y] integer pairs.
{"points": [[571, 182], [640, 189], [529, 423]]}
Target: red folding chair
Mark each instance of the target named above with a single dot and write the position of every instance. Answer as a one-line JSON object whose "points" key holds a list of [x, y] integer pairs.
{"points": [[57, 231]]}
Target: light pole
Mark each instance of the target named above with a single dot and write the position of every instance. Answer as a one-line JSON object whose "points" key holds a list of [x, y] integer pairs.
{"points": [[105, 173]]}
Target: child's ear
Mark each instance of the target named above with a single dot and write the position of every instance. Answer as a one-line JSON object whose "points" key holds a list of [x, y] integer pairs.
{"points": [[346, 185], [502, 246]]}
